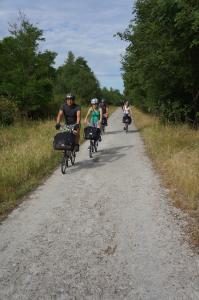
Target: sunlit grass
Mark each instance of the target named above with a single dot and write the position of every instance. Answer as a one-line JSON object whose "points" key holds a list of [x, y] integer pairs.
{"points": [[26, 156], [175, 151]]}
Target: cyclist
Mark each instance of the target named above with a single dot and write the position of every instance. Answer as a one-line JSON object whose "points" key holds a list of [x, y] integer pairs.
{"points": [[95, 113], [127, 111], [104, 108], [72, 115]]}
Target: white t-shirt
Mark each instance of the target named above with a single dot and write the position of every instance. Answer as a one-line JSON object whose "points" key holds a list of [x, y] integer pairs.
{"points": [[126, 110]]}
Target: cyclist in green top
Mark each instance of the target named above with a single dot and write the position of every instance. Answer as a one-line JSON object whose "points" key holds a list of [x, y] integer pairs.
{"points": [[95, 113]]}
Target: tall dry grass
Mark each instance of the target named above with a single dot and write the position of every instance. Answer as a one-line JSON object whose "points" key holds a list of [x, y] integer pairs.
{"points": [[176, 152], [26, 156]]}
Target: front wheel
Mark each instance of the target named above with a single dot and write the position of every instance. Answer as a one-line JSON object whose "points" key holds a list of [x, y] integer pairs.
{"points": [[72, 157], [126, 127], [95, 145], [91, 149], [64, 163]]}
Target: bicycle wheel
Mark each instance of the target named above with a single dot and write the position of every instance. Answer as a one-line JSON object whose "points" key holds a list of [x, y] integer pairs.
{"points": [[72, 157], [127, 127], [64, 163], [95, 145], [103, 129], [91, 149]]}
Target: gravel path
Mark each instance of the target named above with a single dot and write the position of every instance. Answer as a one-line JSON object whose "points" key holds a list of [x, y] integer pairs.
{"points": [[105, 231]]}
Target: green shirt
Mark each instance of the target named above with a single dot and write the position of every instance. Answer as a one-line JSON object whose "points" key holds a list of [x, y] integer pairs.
{"points": [[95, 117]]}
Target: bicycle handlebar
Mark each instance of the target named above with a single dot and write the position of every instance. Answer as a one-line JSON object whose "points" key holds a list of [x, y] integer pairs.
{"points": [[69, 128]]}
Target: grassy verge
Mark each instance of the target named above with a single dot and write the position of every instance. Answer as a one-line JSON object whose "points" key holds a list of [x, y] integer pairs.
{"points": [[175, 151], [26, 157]]}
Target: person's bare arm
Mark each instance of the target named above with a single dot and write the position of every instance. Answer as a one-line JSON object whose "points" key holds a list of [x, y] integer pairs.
{"points": [[101, 115], [107, 112], [59, 116], [87, 115], [78, 117]]}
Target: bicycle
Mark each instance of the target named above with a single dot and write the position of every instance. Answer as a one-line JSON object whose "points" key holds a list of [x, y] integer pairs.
{"points": [[69, 155], [92, 147], [127, 121], [92, 134], [126, 126], [104, 124], [67, 144]]}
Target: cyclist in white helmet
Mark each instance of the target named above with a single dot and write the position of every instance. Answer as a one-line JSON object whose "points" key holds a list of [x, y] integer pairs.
{"points": [[127, 113], [95, 114]]}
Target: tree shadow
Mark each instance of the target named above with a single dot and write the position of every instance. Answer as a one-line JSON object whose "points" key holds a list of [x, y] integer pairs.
{"points": [[120, 131], [101, 158], [113, 132], [133, 130]]}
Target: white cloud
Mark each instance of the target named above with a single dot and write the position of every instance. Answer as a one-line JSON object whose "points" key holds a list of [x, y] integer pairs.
{"points": [[84, 27]]}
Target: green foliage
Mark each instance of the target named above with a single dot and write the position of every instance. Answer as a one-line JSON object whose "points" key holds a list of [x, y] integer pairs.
{"points": [[26, 74], [8, 111], [30, 83], [112, 96], [75, 76], [162, 60]]}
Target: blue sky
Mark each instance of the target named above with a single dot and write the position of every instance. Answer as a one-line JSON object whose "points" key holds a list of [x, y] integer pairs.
{"points": [[85, 27]]}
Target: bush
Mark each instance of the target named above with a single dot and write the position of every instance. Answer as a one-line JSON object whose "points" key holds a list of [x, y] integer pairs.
{"points": [[8, 111]]}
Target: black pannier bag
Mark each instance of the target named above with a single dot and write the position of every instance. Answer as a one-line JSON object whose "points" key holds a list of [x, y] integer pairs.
{"points": [[127, 119], [91, 133], [104, 121], [64, 141]]}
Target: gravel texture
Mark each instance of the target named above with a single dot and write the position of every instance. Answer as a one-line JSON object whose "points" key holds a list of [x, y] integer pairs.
{"points": [[105, 230]]}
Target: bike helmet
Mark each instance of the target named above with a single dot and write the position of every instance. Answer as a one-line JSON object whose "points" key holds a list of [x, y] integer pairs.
{"points": [[70, 96], [94, 101]]}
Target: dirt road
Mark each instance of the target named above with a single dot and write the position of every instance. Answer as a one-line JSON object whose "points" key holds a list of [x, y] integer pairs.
{"points": [[103, 231]]}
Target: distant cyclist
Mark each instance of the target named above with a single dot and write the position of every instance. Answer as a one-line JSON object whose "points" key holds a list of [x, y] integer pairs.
{"points": [[103, 105], [127, 111], [72, 115], [95, 114]]}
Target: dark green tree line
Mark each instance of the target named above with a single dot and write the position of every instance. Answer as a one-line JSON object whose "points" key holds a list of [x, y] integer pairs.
{"points": [[30, 85], [112, 96], [161, 64]]}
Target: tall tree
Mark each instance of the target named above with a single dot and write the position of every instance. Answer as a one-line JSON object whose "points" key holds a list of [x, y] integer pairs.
{"points": [[26, 74], [76, 76], [162, 60]]}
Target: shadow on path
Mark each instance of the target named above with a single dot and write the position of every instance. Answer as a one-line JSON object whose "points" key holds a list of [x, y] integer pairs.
{"points": [[120, 131], [101, 158]]}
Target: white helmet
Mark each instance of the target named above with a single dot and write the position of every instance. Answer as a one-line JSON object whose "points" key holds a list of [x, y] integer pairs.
{"points": [[94, 101]]}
